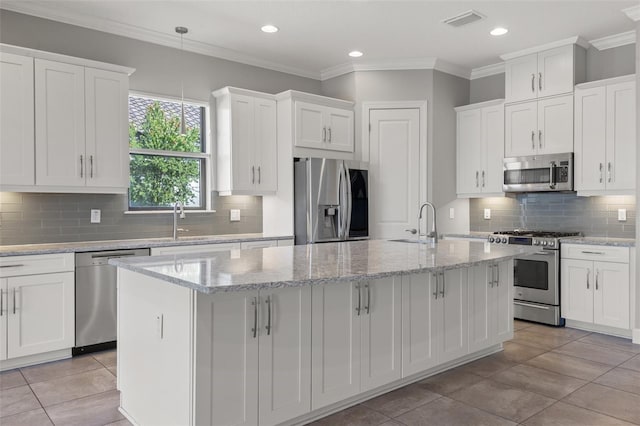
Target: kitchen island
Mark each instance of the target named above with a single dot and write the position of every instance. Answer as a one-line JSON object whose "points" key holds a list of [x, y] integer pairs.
{"points": [[285, 335]]}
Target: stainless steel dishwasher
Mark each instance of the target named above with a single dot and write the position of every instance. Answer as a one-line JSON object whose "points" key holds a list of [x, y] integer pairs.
{"points": [[96, 304]]}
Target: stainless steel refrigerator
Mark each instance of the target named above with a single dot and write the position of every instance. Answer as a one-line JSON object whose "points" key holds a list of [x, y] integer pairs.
{"points": [[331, 201]]}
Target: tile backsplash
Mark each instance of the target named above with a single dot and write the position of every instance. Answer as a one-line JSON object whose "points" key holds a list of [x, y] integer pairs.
{"points": [[29, 218], [593, 216]]}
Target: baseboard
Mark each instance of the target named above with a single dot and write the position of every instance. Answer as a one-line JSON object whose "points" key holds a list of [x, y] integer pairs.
{"points": [[25, 361], [635, 336], [612, 331]]}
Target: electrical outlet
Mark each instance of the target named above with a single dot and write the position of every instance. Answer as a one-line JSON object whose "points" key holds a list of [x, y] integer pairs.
{"points": [[487, 213], [452, 213], [234, 215], [95, 215], [622, 215]]}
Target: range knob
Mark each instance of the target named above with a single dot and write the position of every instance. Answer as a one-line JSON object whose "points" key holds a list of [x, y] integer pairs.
{"points": [[552, 243], [544, 243], [504, 240], [536, 242], [491, 239]]}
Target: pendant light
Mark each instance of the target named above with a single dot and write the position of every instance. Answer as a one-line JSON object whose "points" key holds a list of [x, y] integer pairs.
{"points": [[183, 128]]}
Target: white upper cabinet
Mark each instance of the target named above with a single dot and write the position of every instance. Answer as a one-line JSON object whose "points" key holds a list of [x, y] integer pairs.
{"points": [[547, 73], [107, 126], [605, 132], [16, 120], [67, 129], [340, 129], [539, 127], [60, 127], [247, 142], [480, 149]]}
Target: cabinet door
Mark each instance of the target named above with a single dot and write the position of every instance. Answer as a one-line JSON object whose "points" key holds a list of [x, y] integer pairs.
{"points": [[285, 354], [243, 168], [555, 71], [469, 152], [590, 131], [621, 136], [60, 124], [521, 124], [611, 295], [265, 146], [4, 312], [310, 126], [555, 125], [339, 124], [454, 314], [381, 332], [419, 336], [335, 343], [17, 156], [481, 315], [577, 290], [521, 78], [503, 299], [41, 314], [493, 147], [107, 128], [227, 359]]}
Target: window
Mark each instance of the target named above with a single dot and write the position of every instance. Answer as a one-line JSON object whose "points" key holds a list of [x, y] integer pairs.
{"points": [[165, 165]]}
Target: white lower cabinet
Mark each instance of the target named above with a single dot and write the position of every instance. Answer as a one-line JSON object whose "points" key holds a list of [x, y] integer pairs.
{"points": [[254, 366], [356, 338], [37, 312], [596, 291]]}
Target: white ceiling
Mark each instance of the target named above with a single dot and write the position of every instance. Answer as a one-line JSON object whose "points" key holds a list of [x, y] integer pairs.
{"points": [[315, 36]]}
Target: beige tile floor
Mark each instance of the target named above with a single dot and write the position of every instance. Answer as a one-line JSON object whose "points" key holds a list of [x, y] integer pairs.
{"points": [[544, 376]]}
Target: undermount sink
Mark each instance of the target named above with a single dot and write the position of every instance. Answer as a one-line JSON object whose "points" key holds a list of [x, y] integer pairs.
{"points": [[413, 241]]}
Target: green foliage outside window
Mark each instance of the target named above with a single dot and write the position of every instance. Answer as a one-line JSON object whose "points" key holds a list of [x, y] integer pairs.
{"points": [[156, 180]]}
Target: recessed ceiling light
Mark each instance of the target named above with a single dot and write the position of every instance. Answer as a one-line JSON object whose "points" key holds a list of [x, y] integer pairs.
{"points": [[355, 53], [498, 31], [269, 29]]}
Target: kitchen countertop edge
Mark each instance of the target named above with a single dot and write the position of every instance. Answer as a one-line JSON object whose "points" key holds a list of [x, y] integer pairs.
{"points": [[600, 241]]}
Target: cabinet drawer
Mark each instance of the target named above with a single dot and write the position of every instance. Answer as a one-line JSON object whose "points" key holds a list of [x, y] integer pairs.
{"points": [[197, 248], [597, 253], [12, 266]]}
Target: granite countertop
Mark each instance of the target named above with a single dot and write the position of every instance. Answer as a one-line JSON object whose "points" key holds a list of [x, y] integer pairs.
{"points": [[476, 235], [275, 267], [84, 246], [600, 241]]}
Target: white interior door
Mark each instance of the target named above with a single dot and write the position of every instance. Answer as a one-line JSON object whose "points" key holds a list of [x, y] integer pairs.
{"points": [[394, 171]]}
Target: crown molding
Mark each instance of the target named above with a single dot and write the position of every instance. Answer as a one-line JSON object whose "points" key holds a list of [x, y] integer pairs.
{"points": [[396, 65], [170, 40], [615, 40], [487, 70], [632, 12], [535, 49]]}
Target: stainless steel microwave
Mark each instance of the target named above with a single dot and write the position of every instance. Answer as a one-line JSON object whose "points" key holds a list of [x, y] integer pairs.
{"points": [[538, 173]]}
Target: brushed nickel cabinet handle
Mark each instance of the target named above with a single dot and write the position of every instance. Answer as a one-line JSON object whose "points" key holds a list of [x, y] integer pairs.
{"points": [[367, 307], [477, 181], [254, 330], [253, 174], [533, 141], [435, 293], [16, 265], [540, 81], [1, 302], [609, 172], [443, 283], [81, 166], [329, 134], [601, 167], [597, 276], [493, 279], [533, 83], [91, 165], [259, 175], [483, 179], [592, 252], [268, 303], [14, 300], [359, 308], [540, 138], [588, 273], [324, 134]]}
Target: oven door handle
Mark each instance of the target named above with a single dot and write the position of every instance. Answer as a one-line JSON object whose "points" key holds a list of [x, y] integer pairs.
{"points": [[545, 253], [552, 175], [546, 308]]}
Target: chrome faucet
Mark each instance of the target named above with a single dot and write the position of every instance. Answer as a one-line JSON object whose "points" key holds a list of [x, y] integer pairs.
{"points": [[175, 217], [434, 231]]}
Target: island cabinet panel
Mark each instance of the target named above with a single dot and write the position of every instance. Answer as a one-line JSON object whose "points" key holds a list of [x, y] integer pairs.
{"points": [[226, 377], [335, 342], [418, 323], [481, 322], [155, 355], [503, 301], [285, 354], [381, 332], [453, 314]]}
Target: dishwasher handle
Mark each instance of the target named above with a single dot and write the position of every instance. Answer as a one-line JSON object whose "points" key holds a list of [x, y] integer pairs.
{"points": [[98, 258]]}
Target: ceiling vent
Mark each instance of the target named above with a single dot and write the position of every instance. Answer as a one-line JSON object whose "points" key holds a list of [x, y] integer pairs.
{"points": [[464, 18]]}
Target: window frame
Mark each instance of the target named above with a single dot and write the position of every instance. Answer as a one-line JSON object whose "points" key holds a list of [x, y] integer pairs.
{"points": [[206, 155]]}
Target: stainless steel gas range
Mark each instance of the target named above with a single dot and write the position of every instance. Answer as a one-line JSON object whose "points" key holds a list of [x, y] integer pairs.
{"points": [[536, 275]]}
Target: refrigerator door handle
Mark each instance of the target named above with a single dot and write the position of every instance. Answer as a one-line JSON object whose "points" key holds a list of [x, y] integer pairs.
{"points": [[341, 213], [347, 221]]}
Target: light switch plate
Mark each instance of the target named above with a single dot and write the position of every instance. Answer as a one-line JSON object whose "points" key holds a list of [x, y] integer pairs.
{"points": [[487, 213], [234, 215], [622, 215], [95, 215], [452, 213]]}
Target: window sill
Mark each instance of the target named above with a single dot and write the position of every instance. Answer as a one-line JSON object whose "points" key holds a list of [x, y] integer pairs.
{"points": [[165, 211]]}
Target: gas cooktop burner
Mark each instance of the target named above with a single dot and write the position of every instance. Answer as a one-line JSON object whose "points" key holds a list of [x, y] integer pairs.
{"points": [[538, 234]]}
